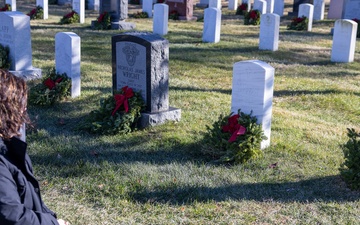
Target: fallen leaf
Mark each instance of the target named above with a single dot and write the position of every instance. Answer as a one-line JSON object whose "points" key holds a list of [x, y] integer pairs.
{"points": [[273, 165]]}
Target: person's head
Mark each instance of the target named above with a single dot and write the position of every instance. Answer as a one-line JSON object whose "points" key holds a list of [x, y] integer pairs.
{"points": [[13, 101]]}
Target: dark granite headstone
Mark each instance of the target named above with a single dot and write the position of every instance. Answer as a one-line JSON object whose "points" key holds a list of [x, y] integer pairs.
{"points": [[183, 7], [351, 9], [140, 60], [118, 10]]}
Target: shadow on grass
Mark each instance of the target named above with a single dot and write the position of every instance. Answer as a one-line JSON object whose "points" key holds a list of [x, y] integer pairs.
{"points": [[327, 189]]}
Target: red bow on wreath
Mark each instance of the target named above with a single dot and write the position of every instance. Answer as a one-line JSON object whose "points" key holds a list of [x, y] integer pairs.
{"points": [[51, 84], [234, 128], [121, 99]]}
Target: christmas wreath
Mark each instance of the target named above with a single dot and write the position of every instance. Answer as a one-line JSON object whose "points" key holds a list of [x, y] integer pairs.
{"points": [[103, 22], [235, 138], [53, 88], [298, 23], [242, 9], [252, 17], [37, 13], [72, 17], [119, 113], [7, 7]]}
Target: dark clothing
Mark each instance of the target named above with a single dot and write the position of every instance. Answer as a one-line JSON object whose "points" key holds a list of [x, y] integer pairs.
{"points": [[20, 200]]}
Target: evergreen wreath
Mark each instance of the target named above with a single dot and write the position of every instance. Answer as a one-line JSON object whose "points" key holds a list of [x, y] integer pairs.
{"points": [[53, 88], [242, 9], [350, 168], [7, 7], [118, 113], [174, 15], [252, 17], [140, 15], [103, 22], [37, 13], [5, 62], [298, 23], [72, 17], [235, 138]]}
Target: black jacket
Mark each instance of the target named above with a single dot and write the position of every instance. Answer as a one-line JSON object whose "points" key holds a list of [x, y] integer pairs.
{"points": [[20, 200]]}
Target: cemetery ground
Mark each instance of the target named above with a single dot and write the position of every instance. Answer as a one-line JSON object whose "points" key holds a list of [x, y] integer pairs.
{"points": [[158, 175]]}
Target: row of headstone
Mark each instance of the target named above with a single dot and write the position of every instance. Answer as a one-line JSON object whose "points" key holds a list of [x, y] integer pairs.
{"points": [[12, 3], [44, 4]]}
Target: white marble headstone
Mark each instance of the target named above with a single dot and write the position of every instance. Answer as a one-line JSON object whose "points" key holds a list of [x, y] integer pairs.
{"points": [[94, 5], [319, 9], [215, 4], [147, 6], [260, 5], [279, 7], [212, 25], [79, 7], [233, 4], [344, 41], [67, 59], [269, 32], [44, 4], [307, 10], [269, 6], [161, 18], [252, 90], [12, 3]]}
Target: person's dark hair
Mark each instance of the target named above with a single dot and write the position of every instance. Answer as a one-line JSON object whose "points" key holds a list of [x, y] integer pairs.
{"points": [[13, 101]]}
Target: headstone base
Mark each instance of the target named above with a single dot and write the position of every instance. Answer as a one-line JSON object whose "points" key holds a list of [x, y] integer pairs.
{"points": [[31, 74], [187, 18], [153, 119], [122, 25]]}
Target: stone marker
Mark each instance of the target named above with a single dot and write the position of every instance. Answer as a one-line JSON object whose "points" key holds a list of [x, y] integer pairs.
{"points": [[307, 10], [161, 18], [344, 41], [12, 3], [118, 10], [64, 2], [183, 7], [141, 61], [215, 4], [279, 7], [67, 59], [233, 4], [269, 32], [252, 90], [335, 9], [212, 25], [44, 4], [94, 5], [15, 33], [260, 5], [351, 9], [269, 6], [319, 8], [296, 5], [147, 6], [203, 4], [79, 7]]}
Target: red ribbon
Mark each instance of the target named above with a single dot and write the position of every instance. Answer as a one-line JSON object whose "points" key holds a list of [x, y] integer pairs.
{"points": [[234, 128], [51, 84], [122, 99]]}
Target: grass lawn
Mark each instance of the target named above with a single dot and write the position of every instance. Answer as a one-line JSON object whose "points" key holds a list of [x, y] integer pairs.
{"points": [[158, 175]]}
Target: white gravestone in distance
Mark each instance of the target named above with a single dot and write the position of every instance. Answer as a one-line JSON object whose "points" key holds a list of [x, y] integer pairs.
{"points": [[269, 32], [319, 9], [79, 7], [260, 5], [233, 4], [351, 9], [269, 6], [335, 9], [344, 41], [94, 5], [215, 4], [44, 4], [15, 33], [67, 59], [12, 3], [212, 25], [279, 7], [252, 90], [307, 10], [147, 6], [161, 18]]}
